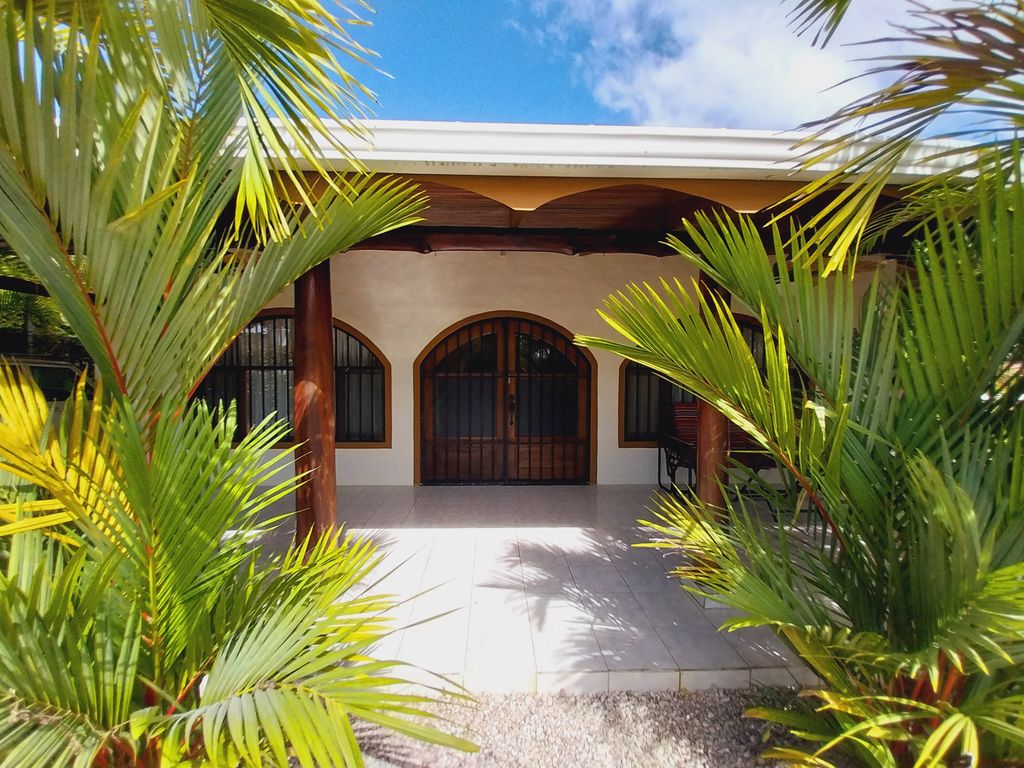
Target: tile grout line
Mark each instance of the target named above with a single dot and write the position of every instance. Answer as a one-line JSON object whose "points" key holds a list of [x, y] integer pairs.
{"points": [[469, 612], [529, 620]]}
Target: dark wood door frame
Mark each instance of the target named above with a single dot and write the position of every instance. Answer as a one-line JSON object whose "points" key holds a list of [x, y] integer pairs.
{"points": [[497, 314]]}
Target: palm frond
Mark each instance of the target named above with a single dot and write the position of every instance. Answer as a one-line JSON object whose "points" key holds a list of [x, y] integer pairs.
{"points": [[821, 16], [906, 444], [67, 660], [299, 660], [289, 62], [278, 641], [141, 619], [244, 83], [125, 244], [965, 321], [968, 64], [73, 460]]}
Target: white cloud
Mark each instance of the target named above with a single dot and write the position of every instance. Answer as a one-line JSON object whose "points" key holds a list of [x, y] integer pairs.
{"points": [[712, 63]]}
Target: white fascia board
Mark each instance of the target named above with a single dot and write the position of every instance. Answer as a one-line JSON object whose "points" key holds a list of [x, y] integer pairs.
{"points": [[510, 149]]}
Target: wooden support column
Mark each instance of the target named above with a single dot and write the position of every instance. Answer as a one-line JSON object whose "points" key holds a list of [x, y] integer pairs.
{"points": [[712, 431], [314, 402]]}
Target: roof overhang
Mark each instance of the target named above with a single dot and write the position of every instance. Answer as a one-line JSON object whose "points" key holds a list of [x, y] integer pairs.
{"points": [[512, 149]]}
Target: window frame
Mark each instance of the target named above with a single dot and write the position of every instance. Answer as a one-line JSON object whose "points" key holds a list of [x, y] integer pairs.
{"points": [[341, 325], [623, 441], [742, 320], [362, 338]]}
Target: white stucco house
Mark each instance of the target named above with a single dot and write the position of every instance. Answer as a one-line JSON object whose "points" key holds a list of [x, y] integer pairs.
{"points": [[453, 360]]}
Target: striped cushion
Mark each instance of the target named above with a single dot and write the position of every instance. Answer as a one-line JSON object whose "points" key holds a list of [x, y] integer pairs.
{"points": [[684, 427], [684, 421]]}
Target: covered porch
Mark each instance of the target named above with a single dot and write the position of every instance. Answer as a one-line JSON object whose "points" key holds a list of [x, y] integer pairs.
{"points": [[539, 589], [528, 230]]}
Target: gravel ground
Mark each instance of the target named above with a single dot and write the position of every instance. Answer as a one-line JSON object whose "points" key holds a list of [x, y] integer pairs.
{"points": [[681, 730]]}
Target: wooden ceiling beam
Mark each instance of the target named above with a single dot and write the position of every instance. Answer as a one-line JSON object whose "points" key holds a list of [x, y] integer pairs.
{"points": [[20, 285], [566, 241]]}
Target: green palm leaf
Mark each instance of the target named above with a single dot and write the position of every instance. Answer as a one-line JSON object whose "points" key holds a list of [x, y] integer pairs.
{"points": [[905, 447], [966, 62], [825, 15], [128, 248], [145, 623]]}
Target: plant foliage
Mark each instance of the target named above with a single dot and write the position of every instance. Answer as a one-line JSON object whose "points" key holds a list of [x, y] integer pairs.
{"points": [[143, 621], [958, 75], [906, 444], [156, 630], [892, 556]]}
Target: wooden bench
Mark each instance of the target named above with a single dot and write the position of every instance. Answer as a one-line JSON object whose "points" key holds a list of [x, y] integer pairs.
{"points": [[677, 447]]}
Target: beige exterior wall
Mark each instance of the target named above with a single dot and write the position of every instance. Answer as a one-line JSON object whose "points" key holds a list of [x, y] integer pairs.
{"points": [[401, 301]]}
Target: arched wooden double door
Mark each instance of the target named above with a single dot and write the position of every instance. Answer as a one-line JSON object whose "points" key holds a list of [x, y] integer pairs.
{"points": [[505, 400]]}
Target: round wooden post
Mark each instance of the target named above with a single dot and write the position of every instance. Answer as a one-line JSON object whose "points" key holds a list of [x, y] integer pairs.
{"points": [[712, 432], [314, 402]]}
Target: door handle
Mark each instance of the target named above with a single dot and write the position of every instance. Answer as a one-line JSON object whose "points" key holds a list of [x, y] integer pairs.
{"points": [[512, 409]]}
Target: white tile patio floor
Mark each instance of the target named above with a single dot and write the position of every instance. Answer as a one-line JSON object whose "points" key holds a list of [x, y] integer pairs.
{"points": [[542, 591]]}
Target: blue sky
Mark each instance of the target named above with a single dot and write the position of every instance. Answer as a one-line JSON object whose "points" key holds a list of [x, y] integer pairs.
{"points": [[689, 63], [469, 60]]}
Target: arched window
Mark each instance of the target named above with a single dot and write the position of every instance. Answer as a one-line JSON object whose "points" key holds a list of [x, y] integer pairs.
{"points": [[362, 388], [258, 372], [646, 397]]}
